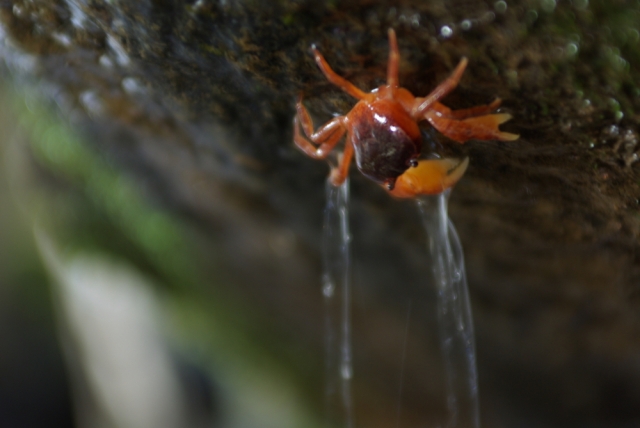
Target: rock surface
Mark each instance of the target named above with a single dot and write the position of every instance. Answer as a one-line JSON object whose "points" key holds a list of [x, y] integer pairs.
{"points": [[196, 100]]}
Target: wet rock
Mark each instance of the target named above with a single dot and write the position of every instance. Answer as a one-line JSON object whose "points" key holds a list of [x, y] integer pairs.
{"points": [[196, 99]]}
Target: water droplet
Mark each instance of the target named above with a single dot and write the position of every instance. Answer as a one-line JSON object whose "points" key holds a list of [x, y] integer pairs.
{"points": [[586, 107], [18, 11], [631, 159], [531, 16], [488, 17], [548, 5], [617, 111], [465, 25], [92, 102], [131, 85], [500, 6], [572, 49], [346, 371], [121, 55], [105, 61], [62, 39], [446, 31], [328, 288], [415, 20], [630, 137], [612, 131], [78, 17]]}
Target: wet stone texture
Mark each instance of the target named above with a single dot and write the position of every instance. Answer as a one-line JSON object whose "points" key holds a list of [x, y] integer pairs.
{"points": [[196, 100]]}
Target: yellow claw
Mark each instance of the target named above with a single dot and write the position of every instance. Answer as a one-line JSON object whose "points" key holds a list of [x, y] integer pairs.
{"points": [[492, 122], [430, 177]]}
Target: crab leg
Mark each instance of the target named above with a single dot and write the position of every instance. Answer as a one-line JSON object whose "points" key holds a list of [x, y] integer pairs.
{"points": [[334, 78], [330, 140], [423, 104], [394, 59], [467, 112], [328, 135], [339, 174]]}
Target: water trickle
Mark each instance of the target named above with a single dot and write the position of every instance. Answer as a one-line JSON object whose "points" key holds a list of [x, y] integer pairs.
{"points": [[336, 290], [328, 287], [455, 324]]}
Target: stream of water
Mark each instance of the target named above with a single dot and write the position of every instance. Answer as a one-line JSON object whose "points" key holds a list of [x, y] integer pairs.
{"points": [[455, 324], [336, 290]]}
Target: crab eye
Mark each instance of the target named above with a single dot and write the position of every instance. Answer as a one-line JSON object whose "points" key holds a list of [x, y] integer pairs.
{"points": [[413, 163], [390, 184]]}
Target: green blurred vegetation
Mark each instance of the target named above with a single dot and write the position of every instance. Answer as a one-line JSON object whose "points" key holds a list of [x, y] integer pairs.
{"points": [[115, 216], [64, 186]]}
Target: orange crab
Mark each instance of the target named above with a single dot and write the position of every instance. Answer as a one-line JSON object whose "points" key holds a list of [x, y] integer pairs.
{"points": [[382, 130]]}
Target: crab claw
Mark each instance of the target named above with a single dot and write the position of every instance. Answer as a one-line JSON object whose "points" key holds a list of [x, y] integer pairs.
{"points": [[430, 177], [485, 127]]}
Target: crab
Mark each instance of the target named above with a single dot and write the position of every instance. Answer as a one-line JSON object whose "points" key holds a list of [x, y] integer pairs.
{"points": [[382, 130]]}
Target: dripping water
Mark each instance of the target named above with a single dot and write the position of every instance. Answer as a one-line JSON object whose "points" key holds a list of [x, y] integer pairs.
{"points": [[336, 290], [455, 323]]}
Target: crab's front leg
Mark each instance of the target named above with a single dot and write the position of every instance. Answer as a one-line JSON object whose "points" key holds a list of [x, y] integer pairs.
{"points": [[468, 124], [467, 112], [327, 136], [430, 177], [339, 174]]}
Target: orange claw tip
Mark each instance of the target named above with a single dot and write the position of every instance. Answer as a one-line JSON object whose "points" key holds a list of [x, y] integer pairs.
{"points": [[507, 136], [501, 118], [430, 177]]}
